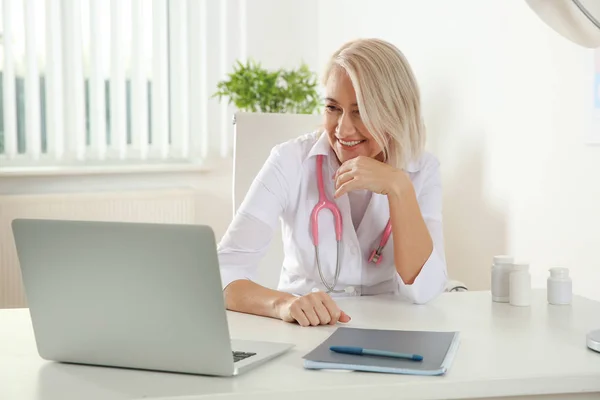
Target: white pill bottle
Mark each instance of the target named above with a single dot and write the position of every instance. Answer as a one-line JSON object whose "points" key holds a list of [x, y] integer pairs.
{"points": [[559, 286], [501, 267], [520, 285]]}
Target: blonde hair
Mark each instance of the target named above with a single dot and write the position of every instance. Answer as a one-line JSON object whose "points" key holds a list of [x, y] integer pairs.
{"points": [[387, 95]]}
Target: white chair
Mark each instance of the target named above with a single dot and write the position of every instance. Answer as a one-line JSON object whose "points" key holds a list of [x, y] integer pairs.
{"points": [[255, 134]]}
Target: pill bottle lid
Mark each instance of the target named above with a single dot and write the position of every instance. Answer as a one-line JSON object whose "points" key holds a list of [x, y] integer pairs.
{"points": [[503, 259], [521, 266], [559, 272]]}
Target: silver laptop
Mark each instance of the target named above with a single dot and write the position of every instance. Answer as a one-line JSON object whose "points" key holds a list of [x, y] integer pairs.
{"points": [[132, 295]]}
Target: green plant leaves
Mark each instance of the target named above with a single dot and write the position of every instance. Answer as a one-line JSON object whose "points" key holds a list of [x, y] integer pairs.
{"points": [[252, 88]]}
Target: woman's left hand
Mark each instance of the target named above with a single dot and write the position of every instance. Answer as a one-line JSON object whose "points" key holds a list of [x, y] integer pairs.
{"points": [[369, 174]]}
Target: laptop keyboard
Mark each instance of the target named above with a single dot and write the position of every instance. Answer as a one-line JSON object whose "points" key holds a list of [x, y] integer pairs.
{"points": [[240, 355]]}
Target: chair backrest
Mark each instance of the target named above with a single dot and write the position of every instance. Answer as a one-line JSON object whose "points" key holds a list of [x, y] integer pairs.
{"points": [[255, 134]]}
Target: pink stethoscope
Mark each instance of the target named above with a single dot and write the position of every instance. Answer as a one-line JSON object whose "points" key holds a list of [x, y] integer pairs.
{"points": [[324, 202]]}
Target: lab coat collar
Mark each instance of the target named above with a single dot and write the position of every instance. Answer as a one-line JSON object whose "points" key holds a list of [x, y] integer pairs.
{"points": [[413, 166], [323, 147]]}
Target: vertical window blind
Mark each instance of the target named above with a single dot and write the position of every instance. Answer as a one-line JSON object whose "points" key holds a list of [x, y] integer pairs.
{"points": [[88, 82]]}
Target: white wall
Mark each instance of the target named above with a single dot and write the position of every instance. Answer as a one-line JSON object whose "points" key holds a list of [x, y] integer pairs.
{"points": [[506, 103], [283, 33]]}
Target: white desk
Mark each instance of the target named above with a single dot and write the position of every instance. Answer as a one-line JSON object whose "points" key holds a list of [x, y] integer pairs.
{"points": [[504, 351]]}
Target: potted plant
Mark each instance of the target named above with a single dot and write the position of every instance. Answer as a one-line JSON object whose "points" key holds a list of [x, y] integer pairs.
{"points": [[253, 88]]}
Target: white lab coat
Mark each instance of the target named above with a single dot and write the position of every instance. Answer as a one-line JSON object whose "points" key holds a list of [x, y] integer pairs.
{"points": [[285, 191]]}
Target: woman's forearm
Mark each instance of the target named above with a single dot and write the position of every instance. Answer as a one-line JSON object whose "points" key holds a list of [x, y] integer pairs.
{"points": [[249, 297], [412, 242]]}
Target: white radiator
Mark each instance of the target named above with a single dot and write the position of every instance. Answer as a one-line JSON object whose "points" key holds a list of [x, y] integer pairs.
{"points": [[166, 206]]}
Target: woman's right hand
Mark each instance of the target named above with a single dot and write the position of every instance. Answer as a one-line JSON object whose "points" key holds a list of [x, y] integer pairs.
{"points": [[317, 308]]}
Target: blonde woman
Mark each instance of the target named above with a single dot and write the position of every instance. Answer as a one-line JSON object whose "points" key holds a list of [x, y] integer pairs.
{"points": [[369, 162]]}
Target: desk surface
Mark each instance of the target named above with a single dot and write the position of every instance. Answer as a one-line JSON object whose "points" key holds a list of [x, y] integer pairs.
{"points": [[504, 351]]}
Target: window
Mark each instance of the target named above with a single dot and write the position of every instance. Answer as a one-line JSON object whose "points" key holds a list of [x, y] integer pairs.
{"points": [[89, 82]]}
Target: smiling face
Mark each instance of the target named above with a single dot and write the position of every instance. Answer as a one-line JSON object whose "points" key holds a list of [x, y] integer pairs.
{"points": [[348, 136]]}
